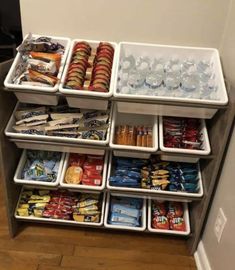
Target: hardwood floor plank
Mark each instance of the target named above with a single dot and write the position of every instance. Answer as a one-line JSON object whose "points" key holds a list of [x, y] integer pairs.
{"points": [[134, 255], [83, 263], [17, 266], [129, 242], [29, 257], [49, 247], [98, 238]]}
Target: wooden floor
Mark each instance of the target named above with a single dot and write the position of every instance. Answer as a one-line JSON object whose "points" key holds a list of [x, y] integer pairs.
{"points": [[41, 247]]}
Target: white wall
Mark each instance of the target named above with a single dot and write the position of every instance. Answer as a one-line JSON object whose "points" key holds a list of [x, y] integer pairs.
{"points": [[185, 22], [221, 255], [227, 47]]}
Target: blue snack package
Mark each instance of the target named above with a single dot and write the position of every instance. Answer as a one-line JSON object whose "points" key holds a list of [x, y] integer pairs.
{"points": [[189, 187], [130, 162], [129, 202], [125, 210], [41, 166], [126, 172], [123, 181], [123, 220]]}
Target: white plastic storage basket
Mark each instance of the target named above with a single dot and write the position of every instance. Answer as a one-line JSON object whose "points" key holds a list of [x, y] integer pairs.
{"points": [[61, 221], [57, 147], [14, 135], [107, 208], [83, 187], [205, 145], [78, 98], [166, 52], [133, 120], [149, 192], [32, 97], [18, 174], [185, 216]]}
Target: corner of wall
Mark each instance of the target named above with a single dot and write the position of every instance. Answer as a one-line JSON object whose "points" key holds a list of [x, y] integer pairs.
{"points": [[201, 258]]}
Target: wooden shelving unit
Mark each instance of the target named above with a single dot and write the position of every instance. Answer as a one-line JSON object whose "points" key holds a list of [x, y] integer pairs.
{"points": [[219, 128]]}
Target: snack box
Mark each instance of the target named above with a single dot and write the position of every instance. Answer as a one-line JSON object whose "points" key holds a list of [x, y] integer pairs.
{"points": [[149, 192], [53, 139], [134, 120], [164, 52], [18, 174], [62, 221], [34, 96], [80, 186], [80, 98], [172, 232], [107, 209], [166, 156]]}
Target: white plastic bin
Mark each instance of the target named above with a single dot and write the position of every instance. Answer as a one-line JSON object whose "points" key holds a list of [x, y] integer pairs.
{"points": [[149, 192], [134, 120], [107, 225], [166, 52], [185, 216], [32, 97], [14, 135], [61, 221], [18, 174], [80, 98], [205, 145], [57, 147], [79, 186]]}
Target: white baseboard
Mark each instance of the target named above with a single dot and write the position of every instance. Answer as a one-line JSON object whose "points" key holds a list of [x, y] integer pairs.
{"points": [[201, 259]]}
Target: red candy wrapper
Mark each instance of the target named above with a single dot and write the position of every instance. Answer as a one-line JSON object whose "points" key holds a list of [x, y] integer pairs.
{"points": [[92, 180], [64, 208], [56, 214], [93, 165], [61, 200], [175, 209], [159, 209], [77, 160], [177, 224], [160, 222]]}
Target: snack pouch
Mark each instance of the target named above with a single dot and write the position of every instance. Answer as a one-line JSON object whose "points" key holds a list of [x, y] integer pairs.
{"points": [[160, 222], [73, 175], [175, 209], [124, 219], [124, 210], [159, 208], [177, 224], [135, 203]]}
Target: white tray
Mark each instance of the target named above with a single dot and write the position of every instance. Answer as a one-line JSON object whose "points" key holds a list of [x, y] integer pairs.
{"points": [[134, 119], [181, 52], [13, 135], [107, 225], [82, 187], [149, 192], [205, 145], [18, 174], [65, 42], [61, 221], [76, 101], [185, 216]]}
